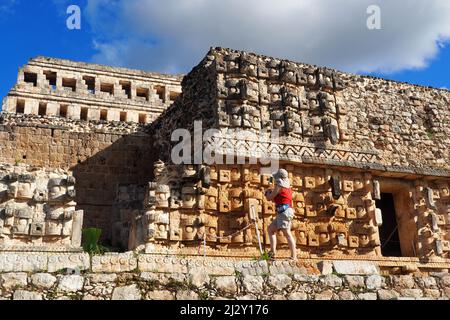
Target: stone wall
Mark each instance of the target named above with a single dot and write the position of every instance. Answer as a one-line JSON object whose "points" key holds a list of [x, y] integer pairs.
{"points": [[37, 209], [75, 90], [130, 277], [100, 154], [323, 116]]}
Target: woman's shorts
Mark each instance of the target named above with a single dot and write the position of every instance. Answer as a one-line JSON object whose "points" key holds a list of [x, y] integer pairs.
{"points": [[283, 219]]}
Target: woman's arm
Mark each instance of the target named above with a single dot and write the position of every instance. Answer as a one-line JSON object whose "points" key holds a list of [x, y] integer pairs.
{"points": [[272, 194]]}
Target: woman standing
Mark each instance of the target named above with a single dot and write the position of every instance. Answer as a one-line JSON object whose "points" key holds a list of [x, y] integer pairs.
{"points": [[282, 196]]}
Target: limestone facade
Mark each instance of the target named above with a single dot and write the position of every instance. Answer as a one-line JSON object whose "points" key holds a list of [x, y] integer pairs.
{"points": [[347, 141], [37, 209], [55, 87]]}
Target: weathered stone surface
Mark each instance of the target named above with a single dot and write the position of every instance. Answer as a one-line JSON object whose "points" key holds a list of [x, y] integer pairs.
{"points": [[102, 277], [26, 295], [90, 297], [374, 282], [426, 282], [130, 292], [199, 277], [432, 293], [22, 262], [325, 267], [43, 280], [298, 296], [445, 281], [346, 295], [355, 282], [186, 295], [253, 284], [75, 262], [72, 283], [403, 281], [306, 278], [324, 295], [355, 267], [332, 280], [388, 294], [226, 284], [367, 296], [160, 295], [13, 280], [411, 293], [114, 262], [247, 297], [279, 281]]}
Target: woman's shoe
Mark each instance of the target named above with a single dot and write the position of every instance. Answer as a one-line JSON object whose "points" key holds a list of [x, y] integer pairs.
{"points": [[271, 255]]}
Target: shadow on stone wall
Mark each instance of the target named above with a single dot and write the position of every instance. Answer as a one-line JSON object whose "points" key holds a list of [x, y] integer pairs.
{"points": [[129, 160]]}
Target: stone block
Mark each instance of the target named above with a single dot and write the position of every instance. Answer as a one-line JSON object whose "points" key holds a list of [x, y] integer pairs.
{"points": [[43, 280], [26, 295], [186, 295], [411, 293], [324, 295], [71, 283], [22, 262], [102, 277], [74, 261], [114, 262], [159, 295], [279, 281], [253, 284], [198, 277], [298, 296], [130, 292], [355, 282], [14, 280], [403, 282], [226, 284], [387, 294], [325, 267], [332, 281], [355, 267], [374, 282], [367, 296], [162, 264]]}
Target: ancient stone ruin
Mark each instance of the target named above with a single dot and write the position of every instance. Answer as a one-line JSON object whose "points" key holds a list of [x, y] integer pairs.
{"points": [[85, 145], [37, 210]]}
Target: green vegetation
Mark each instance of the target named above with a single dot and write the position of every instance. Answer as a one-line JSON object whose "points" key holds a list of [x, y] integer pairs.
{"points": [[91, 236]]}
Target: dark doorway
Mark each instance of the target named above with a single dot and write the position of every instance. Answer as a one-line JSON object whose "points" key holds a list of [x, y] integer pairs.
{"points": [[389, 238]]}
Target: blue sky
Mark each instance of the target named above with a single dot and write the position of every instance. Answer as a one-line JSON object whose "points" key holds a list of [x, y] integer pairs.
{"points": [[172, 36]]}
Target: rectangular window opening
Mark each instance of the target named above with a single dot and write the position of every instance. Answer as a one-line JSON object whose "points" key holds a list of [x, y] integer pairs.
{"points": [[142, 118], [84, 114], [42, 109], [90, 83], [30, 77], [143, 93], [126, 87], [161, 92], [20, 106], [174, 96], [107, 88], [63, 110], [70, 84], [103, 114], [50, 76], [123, 116]]}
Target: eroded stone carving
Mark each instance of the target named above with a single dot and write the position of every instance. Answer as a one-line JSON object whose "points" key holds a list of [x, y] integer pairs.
{"points": [[38, 209]]}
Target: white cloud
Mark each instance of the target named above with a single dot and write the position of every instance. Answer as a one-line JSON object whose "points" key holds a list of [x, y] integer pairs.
{"points": [[173, 35]]}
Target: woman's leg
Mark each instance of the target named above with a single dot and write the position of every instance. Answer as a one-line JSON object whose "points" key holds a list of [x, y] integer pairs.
{"points": [[273, 237], [291, 241]]}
